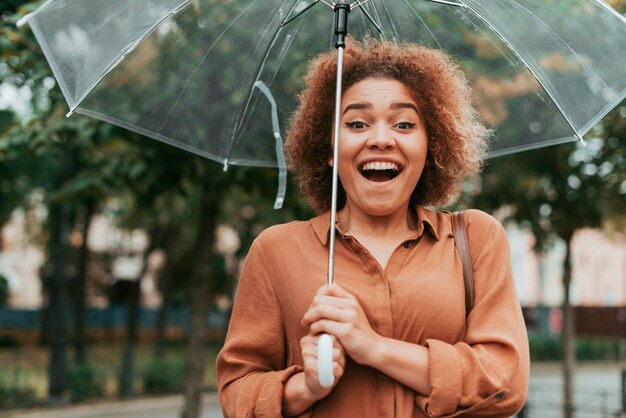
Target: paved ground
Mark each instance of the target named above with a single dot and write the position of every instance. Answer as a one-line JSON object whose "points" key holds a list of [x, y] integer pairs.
{"points": [[162, 407], [596, 389]]}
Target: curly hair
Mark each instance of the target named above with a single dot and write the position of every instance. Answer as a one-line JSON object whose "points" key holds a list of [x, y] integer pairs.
{"points": [[457, 139]]}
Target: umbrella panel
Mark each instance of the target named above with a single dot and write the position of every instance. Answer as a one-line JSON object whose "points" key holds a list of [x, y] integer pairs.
{"points": [[506, 93], [184, 71], [188, 81]]}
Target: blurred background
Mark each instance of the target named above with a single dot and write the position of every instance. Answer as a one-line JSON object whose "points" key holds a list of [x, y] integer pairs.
{"points": [[119, 255]]}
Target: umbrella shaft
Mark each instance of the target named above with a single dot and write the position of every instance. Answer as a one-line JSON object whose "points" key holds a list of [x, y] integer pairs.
{"points": [[333, 202]]}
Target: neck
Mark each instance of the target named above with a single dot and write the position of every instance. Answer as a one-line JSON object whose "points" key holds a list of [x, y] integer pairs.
{"points": [[392, 225]]}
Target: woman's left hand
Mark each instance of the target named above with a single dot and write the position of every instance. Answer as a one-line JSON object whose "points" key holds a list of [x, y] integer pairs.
{"points": [[336, 312]]}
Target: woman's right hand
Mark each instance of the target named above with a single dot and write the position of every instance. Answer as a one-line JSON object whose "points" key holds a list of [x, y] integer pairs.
{"points": [[308, 344], [303, 389]]}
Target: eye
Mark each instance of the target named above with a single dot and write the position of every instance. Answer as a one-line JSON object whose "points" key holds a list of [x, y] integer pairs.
{"points": [[357, 124], [405, 125]]}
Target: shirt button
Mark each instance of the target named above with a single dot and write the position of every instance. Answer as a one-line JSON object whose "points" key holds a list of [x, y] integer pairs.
{"points": [[500, 395], [406, 244]]}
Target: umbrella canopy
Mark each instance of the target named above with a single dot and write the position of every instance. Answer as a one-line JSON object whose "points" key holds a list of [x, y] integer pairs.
{"points": [[219, 78]]}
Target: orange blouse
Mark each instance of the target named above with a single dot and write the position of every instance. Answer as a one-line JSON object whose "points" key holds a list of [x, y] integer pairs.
{"points": [[479, 366]]}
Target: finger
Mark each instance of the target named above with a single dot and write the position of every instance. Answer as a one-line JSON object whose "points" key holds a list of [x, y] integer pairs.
{"points": [[310, 350], [307, 341], [328, 326], [310, 364], [338, 370], [326, 312], [338, 291], [338, 354], [321, 298], [331, 300], [324, 289]]}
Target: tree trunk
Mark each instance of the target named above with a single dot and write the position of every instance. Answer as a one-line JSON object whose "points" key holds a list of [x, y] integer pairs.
{"points": [[79, 291], [159, 343], [3, 221], [132, 326], [132, 319], [58, 302], [165, 286], [201, 287], [568, 337]]}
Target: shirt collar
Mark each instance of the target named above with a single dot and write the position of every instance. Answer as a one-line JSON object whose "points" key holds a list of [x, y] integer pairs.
{"points": [[426, 220]]}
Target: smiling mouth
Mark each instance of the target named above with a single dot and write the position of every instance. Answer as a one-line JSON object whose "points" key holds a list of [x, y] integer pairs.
{"points": [[379, 171]]}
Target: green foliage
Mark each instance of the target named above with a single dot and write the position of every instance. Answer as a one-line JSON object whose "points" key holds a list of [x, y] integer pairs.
{"points": [[597, 350], [546, 348], [85, 381], [10, 5], [15, 394], [556, 190], [163, 376]]}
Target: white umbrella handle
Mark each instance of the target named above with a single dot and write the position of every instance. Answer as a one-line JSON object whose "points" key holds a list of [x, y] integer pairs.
{"points": [[325, 374]]}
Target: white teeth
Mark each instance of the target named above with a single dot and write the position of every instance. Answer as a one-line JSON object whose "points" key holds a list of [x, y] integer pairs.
{"points": [[380, 165]]}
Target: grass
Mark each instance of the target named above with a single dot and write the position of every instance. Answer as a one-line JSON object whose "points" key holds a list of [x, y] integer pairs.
{"points": [[27, 367]]}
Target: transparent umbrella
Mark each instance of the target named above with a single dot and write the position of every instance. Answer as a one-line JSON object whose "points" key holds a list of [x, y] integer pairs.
{"points": [[184, 71], [219, 78]]}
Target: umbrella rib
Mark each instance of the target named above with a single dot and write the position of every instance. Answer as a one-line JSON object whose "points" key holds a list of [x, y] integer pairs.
{"points": [[449, 3], [532, 71], [582, 62], [610, 10], [113, 17], [359, 3], [371, 19], [602, 114], [424, 23], [260, 69], [195, 71], [530, 146], [102, 26], [285, 22], [124, 54], [29, 16], [396, 36]]}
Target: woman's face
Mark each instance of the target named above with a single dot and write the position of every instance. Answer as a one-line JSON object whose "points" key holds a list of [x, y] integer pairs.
{"points": [[383, 146]]}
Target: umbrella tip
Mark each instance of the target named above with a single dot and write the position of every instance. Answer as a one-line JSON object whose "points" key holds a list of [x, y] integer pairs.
{"points": [[23, 20], [225, 164]]}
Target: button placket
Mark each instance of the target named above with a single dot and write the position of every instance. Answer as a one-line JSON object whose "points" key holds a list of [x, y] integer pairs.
{"points": [[397, 259]]}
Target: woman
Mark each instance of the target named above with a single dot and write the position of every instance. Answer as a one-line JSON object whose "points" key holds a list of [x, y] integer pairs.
{"points": [[403, 346]]}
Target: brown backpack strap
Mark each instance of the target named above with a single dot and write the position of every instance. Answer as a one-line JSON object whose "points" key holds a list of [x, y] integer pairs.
{"points": [[459, 230]]}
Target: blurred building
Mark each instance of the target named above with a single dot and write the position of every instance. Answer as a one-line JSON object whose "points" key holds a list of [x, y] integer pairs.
{"points": [[21, 260], [598, 262], [598, 269]]}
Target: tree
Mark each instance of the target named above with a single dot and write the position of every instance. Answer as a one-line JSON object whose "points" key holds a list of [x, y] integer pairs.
{"points": [[78, 163], [10, 196], [557, 190]]}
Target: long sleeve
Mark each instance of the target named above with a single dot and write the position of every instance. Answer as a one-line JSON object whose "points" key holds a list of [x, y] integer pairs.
{"points": [[251, 367], [487, 373]]}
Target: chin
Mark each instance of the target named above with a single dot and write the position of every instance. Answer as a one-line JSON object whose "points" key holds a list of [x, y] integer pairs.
{"points": [[381, 209]]}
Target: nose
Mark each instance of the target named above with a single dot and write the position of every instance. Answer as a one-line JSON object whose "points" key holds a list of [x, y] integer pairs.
{"points": [[381, 138]]}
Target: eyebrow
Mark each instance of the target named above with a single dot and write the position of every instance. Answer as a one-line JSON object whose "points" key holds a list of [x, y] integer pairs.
{"points": [[357, 106], [405, 105], [365, 105]]}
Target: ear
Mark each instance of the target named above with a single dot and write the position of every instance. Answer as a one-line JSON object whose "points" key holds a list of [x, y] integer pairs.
{"points": [[330, 162]]}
